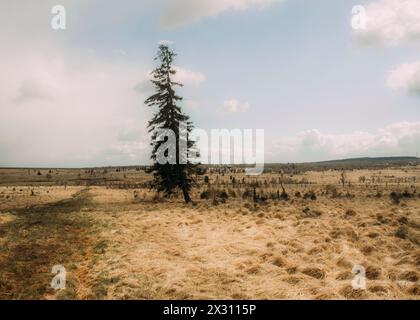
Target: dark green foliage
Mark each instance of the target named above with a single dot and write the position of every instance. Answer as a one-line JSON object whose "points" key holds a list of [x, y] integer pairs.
{"points": [[310, 195], [406, 194], [284, 195], [222, 196], [206, 194], [168, 177], [395, 197]]}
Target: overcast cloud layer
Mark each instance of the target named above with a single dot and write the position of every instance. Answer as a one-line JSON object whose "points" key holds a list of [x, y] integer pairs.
{"points": [[76, 98], [406, 77], [391, 22]]}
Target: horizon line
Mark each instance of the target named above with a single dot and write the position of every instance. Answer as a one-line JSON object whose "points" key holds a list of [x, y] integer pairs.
{"points": [[209, 164]]}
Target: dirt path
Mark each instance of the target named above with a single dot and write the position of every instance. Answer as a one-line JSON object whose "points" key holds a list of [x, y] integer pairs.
{"points": [[36, 239]]}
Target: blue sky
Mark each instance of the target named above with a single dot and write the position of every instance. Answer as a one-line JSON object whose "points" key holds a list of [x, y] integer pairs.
{"points": [[294, 68]]}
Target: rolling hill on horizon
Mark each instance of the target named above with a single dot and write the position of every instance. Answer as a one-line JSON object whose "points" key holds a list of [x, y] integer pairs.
{"points": [[347, 162]]}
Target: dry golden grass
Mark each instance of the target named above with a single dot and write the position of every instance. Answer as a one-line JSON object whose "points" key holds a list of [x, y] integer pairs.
{"points": [[116, 245]]}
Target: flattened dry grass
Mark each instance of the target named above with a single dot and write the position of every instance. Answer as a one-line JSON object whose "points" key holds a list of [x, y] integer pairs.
{"points": [[169, 250]]}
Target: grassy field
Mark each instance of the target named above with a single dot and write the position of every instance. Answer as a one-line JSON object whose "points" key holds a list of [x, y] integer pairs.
{"points": [[243, 238]]}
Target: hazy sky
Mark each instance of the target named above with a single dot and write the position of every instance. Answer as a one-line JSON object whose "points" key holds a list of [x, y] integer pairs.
{"points": [[295, 68]]}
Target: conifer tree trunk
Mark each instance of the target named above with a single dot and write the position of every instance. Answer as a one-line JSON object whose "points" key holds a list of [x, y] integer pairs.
{"points": [[186, 194]]}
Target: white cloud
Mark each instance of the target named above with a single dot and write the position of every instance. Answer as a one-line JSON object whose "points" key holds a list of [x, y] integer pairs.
{"points": [[405, 77], [184, 12], [63, 107], [312, 145], [188, 77], [166, 42], [391, 22], [234, 106]]}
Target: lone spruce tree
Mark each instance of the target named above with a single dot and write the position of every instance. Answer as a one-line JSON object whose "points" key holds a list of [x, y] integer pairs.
{"points": [[177, 173]]}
